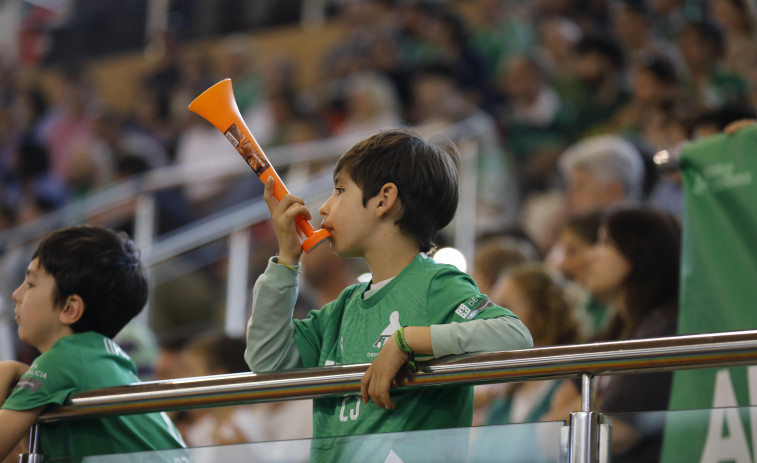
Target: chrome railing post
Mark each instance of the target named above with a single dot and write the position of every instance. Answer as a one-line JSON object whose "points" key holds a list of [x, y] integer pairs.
{"points": [[236, 282], [144, 222], [465, 217], [144, 237], [583, 445], [32, 456], [589, 436]]}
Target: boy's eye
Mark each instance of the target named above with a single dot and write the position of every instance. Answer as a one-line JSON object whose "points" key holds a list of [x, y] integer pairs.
{"points": [[29, 284], [339, 190]]}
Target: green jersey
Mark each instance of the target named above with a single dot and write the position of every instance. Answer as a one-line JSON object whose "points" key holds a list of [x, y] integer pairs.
{"points": [[353, 330], [83, 362]]}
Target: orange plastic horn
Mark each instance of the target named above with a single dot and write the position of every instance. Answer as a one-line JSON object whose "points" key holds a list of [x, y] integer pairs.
{"points": [[218, 106]]}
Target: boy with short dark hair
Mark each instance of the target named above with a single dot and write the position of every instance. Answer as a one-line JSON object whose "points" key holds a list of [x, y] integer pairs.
{"points": [[392, 193], [82, 286]]}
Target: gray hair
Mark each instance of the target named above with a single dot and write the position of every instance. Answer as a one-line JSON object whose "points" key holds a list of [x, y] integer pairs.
{"points": [[606, 158]]}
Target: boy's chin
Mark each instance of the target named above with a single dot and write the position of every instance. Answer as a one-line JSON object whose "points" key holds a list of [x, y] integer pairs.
{"points": [[334, 248], [344, 254], [23, 338]]}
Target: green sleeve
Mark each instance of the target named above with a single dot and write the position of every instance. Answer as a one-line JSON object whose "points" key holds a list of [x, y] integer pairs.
{"points": [[49, 380], [270, 341]]}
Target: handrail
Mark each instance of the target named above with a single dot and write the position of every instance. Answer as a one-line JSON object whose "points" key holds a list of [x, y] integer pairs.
{"points": [[634, 356], [109, 196], [223, 223]]}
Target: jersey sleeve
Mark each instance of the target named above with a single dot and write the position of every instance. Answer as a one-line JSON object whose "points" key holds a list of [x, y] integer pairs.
{"points": [[470, 321], [308, 336], [50, 380], [270, 342], [454, 297]]}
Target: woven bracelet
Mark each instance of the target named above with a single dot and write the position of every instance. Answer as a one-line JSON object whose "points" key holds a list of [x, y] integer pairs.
{"points": [[399, 335]]}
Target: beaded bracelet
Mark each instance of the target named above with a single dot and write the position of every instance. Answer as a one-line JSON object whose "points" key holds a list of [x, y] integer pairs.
{"points": [[290, 267], [399, 335]]}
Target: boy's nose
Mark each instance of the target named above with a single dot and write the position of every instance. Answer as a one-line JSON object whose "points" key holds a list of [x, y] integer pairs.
{"points": [[16, 296]]}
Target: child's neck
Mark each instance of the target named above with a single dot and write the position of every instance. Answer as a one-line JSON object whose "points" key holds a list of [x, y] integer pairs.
{"points": [[59, 334], [388, 261]]}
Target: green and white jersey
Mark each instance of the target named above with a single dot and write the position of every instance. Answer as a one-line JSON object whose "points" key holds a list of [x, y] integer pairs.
{"points": [[352, 330], [83, 362]]}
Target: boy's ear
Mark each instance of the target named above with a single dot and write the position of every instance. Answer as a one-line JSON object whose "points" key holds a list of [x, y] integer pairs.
{"points": [[72, 310], [388, 199]]}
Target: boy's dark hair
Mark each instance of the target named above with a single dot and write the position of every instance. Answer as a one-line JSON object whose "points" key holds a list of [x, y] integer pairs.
{"points": [[102, 267], [425, 174]]}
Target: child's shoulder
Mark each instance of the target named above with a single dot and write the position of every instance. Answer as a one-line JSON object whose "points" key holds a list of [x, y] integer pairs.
{"points": [[67, 350], [431, 277], [81, 348], [425, 265]]}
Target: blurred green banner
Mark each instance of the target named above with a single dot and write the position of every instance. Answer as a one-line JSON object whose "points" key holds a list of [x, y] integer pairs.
{"points": [[718, 293]]}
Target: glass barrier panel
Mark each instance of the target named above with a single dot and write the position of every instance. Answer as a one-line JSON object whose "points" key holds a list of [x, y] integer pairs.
{"points": [[511, 443], [541, 442], [714, 435], [636, 437]]}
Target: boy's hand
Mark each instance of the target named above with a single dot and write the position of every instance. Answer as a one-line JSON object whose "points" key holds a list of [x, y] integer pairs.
{"points": [[15, 425], [10, 373], [380, 375], [282, 215]]}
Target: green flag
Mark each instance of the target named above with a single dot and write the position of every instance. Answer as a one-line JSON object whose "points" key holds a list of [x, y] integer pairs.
{"points": [[718, 293]]}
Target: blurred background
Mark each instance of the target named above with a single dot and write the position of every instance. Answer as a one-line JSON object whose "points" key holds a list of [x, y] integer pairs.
{"points": [[94, 128]]}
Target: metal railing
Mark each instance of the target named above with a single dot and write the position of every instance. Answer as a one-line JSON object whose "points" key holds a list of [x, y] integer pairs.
{"points": [[230, 224], [580, 360]]}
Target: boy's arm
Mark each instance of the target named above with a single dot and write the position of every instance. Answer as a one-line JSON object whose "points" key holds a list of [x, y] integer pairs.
{"points": [[270, 334], [15, 425], [379, 376], [10, 373], [485, 335], [482, 335], [270, 341]]}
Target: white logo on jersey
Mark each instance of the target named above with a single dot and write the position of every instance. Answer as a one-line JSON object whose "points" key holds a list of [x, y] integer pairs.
{"points": [[394, 325], [354, 412], [114, 349], [171, 428], [462, 310], [35, 371]]}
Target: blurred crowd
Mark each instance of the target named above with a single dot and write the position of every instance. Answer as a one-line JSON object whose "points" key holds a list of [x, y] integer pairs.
{"points": [[529, 79], [568, 101]]}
